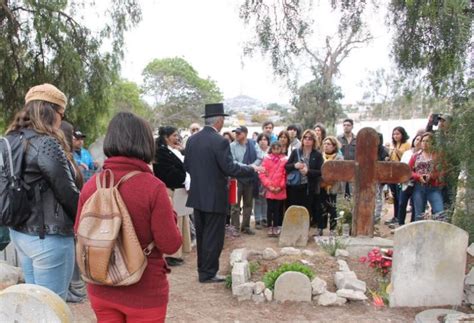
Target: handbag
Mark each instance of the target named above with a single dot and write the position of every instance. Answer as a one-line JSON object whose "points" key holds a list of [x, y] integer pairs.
{"points": [[293, 178]]}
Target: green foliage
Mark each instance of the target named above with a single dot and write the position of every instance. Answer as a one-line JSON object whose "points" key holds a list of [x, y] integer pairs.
{"points": [[317, 101], [48, 41], [254, 266], [331, 245], [270, 277], [228, 281], [179, 93]]}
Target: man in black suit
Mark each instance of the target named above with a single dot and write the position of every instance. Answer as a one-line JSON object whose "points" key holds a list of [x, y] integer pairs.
{"points": [[209, 162]]}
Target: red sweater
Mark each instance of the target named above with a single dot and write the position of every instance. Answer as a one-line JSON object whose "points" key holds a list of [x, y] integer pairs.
{"points": [[154, 219]]}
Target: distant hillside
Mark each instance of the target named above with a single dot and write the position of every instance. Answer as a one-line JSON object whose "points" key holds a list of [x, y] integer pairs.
{"points": [[242, 103]]}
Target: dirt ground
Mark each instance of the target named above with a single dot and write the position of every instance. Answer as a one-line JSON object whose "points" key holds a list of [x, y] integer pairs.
{"points": [[191, 301]]}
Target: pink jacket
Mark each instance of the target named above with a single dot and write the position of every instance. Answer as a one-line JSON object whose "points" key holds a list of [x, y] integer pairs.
{"points": [[274, 175]]}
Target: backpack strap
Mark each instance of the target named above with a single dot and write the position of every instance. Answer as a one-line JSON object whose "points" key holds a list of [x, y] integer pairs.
{"points": [[127, 176]]}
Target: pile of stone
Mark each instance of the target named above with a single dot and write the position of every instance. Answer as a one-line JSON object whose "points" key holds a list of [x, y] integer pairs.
{"points": [[469, 281], [9, 275]]}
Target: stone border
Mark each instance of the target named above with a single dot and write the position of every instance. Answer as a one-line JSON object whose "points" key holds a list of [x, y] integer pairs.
{"points": [[348, 286]]}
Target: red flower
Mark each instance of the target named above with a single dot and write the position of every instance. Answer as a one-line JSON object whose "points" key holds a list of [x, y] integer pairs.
{"points": [[362, 259], [389, 252]]}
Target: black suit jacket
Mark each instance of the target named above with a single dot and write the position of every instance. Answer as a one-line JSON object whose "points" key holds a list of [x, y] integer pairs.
{"points": [[209, 162]]}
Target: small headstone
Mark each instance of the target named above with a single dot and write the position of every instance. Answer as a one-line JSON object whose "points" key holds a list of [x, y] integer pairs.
{"points": [[351, 295], [240, 273], [259, 288], [269, 254], [244, 291], [294, 232], [28, 303], [318, 286], [290, 251], [238, 255], [470, 250], [343, 266], [433, 315], [292, 286], [429, 260], [341, 253], [268, 295], [9, 275]]}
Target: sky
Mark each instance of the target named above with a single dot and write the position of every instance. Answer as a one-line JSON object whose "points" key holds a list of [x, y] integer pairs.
{"points": [[210, 35]]}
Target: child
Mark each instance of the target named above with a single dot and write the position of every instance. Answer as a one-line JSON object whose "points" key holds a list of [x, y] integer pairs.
{"points": [[274, 180]]}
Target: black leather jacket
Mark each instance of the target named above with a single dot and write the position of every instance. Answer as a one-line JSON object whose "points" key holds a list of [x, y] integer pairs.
{"points": [[46, 167]]}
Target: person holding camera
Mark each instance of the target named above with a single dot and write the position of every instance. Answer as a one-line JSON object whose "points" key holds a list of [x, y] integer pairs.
{"points": [[427, 174]]}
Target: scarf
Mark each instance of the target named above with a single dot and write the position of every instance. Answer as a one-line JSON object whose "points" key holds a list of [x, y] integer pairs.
{"points": [[326, 158]]}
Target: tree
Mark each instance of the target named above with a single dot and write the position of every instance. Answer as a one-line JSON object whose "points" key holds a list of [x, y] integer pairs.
{"points": [[309, 103], [179, 94], [283, 30], [46, 41]]}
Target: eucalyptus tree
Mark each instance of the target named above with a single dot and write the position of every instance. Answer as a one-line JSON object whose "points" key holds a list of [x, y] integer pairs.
{"points": [[50, 41], [283, 31], [177, 91]]}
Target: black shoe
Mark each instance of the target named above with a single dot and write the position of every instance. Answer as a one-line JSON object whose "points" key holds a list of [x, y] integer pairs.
{"points": [[215, 279], [391, 221], [71, 298], [171, 261]]}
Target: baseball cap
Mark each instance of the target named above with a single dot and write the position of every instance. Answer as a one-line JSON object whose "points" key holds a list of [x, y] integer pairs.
{"points": [[241, 129], [78, 135]]}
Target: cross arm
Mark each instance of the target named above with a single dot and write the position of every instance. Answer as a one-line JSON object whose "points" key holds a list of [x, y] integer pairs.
{"points": [[338, 171], [392, 172]]}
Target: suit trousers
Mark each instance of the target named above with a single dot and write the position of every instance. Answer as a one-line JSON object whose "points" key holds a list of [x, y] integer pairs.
{"points": [[210, 231], [245, 193]]}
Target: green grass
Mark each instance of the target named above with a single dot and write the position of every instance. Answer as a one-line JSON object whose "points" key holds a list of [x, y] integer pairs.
{"points": [[270, 277]]}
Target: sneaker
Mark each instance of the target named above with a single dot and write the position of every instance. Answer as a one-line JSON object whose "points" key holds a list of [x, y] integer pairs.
{"points": [[248, 231], [264, 223], [270, 232], [277, 231]]}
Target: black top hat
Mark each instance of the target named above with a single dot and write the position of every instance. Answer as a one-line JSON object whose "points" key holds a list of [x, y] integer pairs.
{"points": [[214, 110]]}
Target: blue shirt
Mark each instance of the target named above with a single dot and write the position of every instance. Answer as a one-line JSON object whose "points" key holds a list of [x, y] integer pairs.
{"points": [[83, 157]]}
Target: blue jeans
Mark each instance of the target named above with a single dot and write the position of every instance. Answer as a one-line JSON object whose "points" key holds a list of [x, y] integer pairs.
{"points": [[405, 195], [260, 208], [47, 262], [427, 193]]}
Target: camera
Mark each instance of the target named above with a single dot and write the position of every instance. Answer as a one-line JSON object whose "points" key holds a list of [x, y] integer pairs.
{"points": [[435, 118]]}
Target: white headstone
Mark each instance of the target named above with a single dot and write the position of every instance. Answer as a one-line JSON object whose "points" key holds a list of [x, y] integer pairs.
{"points": [[32, 303], [295, 230], [429, 260], [292, 286]]}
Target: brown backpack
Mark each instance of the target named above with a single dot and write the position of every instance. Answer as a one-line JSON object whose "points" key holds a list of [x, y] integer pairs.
{"points": [[107, 250]]}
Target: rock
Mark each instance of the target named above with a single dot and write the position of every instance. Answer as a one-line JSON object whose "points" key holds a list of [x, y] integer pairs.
{"points": [[244, 291], [253, 252], [269, 254], [9, 275], [238, 255], [430, 316], [32, 303], [342, 253], [295, 229], [318, 286], [340, 301], [268, 295], [360, 246], [240, 273], [458, 318], [259, 287], [292, 286], [355, 284], [469, 279], [308, 253], [427, 271], [260, 298], [290, 251], [343, 265], [341, 276], [351, 294], [470, 250], [469, 297], [327, 299]]}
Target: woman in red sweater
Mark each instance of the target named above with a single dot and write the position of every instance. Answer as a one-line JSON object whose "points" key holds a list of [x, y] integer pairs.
{"points": [[129, 146]]}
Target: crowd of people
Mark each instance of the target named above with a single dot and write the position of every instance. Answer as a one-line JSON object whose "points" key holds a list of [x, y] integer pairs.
{"points": [[181, 192]]}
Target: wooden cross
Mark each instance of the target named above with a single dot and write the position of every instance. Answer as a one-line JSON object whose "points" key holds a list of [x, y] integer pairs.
{"points": [[365, 171]]}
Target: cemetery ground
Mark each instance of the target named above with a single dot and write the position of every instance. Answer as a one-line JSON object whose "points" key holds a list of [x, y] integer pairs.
{"points": [[191, 301]]}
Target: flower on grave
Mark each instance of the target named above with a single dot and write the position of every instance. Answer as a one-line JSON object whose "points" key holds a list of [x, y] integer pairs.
{"points": [[379, 259]]}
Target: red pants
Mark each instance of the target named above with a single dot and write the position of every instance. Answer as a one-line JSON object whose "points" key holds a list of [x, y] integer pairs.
{"points": [[108, 312]]}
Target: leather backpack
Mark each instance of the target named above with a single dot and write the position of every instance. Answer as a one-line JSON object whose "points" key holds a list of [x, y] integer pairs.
{"points": [[107, 250]]}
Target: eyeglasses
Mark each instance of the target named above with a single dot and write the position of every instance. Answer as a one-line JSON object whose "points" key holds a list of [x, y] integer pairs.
{"points": [[61, 114]]}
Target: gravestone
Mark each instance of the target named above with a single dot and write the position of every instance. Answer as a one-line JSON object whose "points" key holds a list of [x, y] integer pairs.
{"points": [[429, 261], [295, 229], [32, 303], [293, 286], [365, 171]]}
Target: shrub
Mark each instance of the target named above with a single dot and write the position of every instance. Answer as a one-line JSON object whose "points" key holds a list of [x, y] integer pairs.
{"points": [[228, 281], [270, 277], [254, 266], [331, 245]]}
